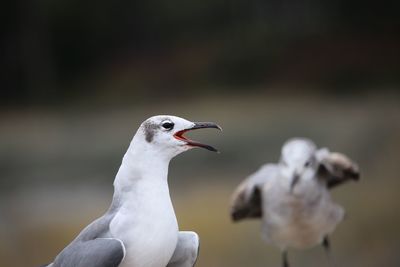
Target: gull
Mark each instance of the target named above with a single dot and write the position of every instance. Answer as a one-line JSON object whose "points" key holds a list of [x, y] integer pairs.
{"points": [[292, 197], [140, 228]]}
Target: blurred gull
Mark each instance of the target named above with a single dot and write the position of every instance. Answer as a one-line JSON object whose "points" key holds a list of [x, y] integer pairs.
{"points": [[292, 197], [140, 228]]}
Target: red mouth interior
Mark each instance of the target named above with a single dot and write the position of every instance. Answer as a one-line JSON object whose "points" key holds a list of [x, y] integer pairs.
{"points": [[179, 135]]}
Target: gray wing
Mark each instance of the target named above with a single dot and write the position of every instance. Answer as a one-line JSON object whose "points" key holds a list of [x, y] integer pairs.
{"points": [[99, 252], [247, 198], [186, 251], [336, 168], [93, 247]]}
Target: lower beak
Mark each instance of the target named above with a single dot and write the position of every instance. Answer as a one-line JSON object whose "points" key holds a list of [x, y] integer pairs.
{"points": [[197, 125]]}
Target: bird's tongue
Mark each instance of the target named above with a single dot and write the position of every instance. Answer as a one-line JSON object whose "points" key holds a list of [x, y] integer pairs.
{"points": [[179, 135]]}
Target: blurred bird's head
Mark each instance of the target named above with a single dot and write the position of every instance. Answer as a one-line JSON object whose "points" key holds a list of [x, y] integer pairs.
{"points": [[298, 157], [164, 134]]}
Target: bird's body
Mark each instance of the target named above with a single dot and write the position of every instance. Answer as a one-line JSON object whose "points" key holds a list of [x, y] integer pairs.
{"points": [[145, 213], [292, 197], [140, 228], [298, 219], [146, 216]]}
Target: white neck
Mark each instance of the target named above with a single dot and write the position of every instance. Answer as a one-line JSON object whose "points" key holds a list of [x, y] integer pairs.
{"points": [[287, 175], [142, 163]]}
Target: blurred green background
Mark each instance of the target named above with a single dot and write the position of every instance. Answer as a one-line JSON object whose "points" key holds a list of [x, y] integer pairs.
{"points": [[79, 77]]}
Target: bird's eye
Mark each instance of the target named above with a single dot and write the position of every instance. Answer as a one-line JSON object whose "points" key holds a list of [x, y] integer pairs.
{"points": [[307, 164], [168, 125]]}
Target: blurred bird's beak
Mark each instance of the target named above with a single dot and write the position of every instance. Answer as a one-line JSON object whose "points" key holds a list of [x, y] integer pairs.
{"points": [[295, 180], [197, 125]]}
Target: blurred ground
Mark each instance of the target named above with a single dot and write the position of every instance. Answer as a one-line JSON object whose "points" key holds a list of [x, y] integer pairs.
{"points": [[57, 167]]}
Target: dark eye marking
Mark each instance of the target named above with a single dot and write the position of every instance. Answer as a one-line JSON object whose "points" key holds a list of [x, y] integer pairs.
{"points": [[168, 125], [307, 164], [149, 131]]}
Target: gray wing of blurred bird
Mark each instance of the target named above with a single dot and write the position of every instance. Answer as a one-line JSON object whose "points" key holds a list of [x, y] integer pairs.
{"points": [[336, 168], [247, 198]]}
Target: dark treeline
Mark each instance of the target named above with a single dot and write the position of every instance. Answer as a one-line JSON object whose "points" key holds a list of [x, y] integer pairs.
{"points": [[51, 47]]}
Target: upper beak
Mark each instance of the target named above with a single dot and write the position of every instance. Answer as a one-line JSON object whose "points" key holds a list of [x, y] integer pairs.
{"points": [[197, 125], [200, 125]]}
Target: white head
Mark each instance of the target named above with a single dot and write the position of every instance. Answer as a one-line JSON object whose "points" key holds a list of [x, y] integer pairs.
{"points": [[163, 134], [298, 157]]}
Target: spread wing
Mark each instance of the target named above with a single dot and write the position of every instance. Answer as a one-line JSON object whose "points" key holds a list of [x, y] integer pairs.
{"points": [[186, 251], [99, 252], [336, 168], [247, 198]]}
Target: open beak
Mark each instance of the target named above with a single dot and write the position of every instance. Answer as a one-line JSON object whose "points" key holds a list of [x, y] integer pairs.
{"points": [[197, 125]]}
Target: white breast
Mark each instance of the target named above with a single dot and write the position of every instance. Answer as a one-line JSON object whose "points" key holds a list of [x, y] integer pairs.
{"points": [[147, 226], [299, 221]]}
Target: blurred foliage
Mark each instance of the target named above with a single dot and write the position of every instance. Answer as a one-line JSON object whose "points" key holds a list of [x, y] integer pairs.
{"points": [[55, 50]]}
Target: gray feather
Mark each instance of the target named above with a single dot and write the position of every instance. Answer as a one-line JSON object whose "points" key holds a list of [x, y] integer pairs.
{"points": [[247, 199], [94, 246], [94, 253]]}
